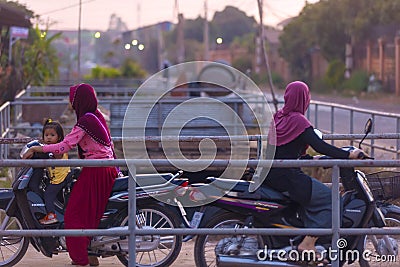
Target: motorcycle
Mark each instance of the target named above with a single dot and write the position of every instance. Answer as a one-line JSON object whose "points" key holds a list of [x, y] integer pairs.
{"points": [[267, 208], [22, 207]]}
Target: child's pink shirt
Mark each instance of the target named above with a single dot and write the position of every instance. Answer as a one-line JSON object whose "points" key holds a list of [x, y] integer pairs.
{"points": [[91, 148]]}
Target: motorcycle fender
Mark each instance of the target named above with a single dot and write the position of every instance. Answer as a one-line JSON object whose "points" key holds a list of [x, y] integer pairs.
{"points": [[11, 209], [378, 218], [389, 208], [208, 214]]}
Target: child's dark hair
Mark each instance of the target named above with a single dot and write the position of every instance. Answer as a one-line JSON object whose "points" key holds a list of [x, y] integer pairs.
{"points": [[56, 125]]}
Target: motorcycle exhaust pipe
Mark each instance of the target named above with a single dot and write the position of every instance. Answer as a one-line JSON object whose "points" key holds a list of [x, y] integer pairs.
{"points": [[234, 261]]}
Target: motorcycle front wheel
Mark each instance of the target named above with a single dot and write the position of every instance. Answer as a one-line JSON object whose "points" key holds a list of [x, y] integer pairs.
{"points": [[167, 247], [12, 248], [206, 246], [378, 243]]}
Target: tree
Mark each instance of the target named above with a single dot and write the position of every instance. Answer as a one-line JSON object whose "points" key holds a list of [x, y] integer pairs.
{"points": [[131, 69], [328, 25], [37, 60], [231, 23]]}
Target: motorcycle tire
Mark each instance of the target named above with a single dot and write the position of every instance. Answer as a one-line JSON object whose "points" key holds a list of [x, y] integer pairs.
{"points": [[392, 220], [12, 248], [157, 217], [204, 247]]}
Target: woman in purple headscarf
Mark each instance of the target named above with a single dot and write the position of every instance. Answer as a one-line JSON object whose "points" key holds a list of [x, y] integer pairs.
{"points": [[294, 134], [90, 194]]}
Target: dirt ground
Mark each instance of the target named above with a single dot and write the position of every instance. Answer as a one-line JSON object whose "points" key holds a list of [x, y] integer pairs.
{"points": [[185, 259], [33, 258]]}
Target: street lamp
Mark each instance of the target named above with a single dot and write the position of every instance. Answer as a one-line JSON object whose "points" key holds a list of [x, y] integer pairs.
{"points": [[219, 40], [141, 47]]}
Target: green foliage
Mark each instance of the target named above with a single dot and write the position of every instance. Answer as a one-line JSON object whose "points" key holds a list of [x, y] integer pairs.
{"points": [[231, 22], [335, 74], [100, 73], [39, 60], [245, 41], [243, 63], [262, 78], [329, 25], [131, 69], [228, 24], [358, 82]]}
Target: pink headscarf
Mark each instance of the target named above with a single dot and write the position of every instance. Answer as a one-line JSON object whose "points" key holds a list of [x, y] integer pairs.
{"points": [[84, 101], [290, 121]]}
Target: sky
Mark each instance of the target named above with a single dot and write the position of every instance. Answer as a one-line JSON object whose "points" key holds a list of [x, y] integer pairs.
{"points": [[95, 14]]}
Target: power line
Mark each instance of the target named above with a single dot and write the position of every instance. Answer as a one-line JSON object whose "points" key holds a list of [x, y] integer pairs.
{"points": [[67, 7]]}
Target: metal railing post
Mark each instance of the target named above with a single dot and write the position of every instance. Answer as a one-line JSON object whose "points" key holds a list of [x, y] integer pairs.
{"points": [[351, 125], [335, 213], [397, 140], [332, 123], [132, 216]]}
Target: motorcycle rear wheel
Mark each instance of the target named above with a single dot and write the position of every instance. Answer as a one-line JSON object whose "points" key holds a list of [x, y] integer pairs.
{"points": [[204, 247], [158, 217], [12, 248]]}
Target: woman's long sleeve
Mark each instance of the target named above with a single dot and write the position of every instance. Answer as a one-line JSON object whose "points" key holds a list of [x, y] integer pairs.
{"points": [[70, 141], [319, 145]]}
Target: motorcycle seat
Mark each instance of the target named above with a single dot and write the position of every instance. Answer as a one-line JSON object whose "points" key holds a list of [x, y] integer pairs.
{"points": [[229, 184], [241, 187], [265, 193], [121, 183]]}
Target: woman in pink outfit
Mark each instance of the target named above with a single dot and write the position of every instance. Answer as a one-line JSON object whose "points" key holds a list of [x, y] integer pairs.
{"points": [[90, 193]]}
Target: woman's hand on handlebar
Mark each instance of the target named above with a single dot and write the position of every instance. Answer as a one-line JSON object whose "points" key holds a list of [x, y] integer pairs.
{"points": [[358, 154], [29, 153]]}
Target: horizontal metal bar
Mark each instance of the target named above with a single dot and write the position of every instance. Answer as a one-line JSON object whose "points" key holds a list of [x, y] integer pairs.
{"points": [[197, 162], [220, 138], [123, 231], [360, 110]]}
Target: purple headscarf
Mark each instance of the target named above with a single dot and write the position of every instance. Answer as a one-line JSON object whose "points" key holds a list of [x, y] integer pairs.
{"points": [[84, 101], [290, 121]]}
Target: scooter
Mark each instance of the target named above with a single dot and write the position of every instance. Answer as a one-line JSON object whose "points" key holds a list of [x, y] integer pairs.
{"points": [[22, 208], [267, 208]]}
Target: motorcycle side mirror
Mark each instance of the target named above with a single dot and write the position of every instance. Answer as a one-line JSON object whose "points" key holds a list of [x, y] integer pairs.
{"points": [[368, 126], [367, 130], [318, 133]]}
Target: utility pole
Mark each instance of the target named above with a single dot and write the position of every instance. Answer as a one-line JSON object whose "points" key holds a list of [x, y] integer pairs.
{"points": [[180, 38], [205, 34], [79, 40], [262, 36]]}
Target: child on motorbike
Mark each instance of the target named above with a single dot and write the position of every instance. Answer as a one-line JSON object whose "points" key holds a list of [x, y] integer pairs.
{"points": [[89, 197], [53, 133]]}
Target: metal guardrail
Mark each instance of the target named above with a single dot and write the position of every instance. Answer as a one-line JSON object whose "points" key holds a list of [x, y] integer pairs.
{"points": [[312, 114], [131, 231]]}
